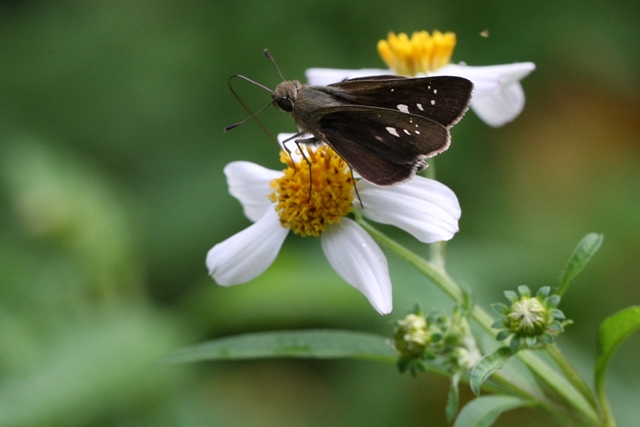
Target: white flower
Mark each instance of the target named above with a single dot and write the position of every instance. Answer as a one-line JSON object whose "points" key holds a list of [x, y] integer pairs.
{"points": [[498, 97], [425, 208]]}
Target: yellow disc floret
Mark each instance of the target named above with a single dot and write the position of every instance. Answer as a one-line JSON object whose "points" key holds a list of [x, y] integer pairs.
{"points": [[308, 207], [419, 54]]}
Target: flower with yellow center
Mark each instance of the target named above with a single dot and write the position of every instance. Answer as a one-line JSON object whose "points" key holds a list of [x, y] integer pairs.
{"points": [[308, 199], [498, 97], [279, 201], [420, 54]]}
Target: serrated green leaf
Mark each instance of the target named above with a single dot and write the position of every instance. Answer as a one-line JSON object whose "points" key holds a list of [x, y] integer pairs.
{"points": [[321, 344], [613, 331], [581, 255], [488, 365], [483, 411]]}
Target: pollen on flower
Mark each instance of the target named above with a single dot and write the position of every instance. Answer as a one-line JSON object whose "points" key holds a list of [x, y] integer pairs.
{"points": [[419, 54], [331, 192]]}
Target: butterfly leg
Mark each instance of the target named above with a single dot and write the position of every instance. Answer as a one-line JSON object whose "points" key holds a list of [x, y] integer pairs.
{"points": [[306, 159], [312, 140], [284, 145], [353, 178], [305, 141]]}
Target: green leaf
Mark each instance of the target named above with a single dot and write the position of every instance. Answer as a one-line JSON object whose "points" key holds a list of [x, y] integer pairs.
{"points": [[500, 308], [511, 296], [581, 255], [321, 344], [613, 331], [453, 401], [487, 366], [543, 292], [500, 324], [483, 411], [514, 344], [524, 291], [554, 300], [504, 334]]}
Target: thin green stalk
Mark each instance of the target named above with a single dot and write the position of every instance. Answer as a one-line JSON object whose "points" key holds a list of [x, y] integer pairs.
{"points": [[571, 374], [437, 254], [607, 415], [442, 280]]}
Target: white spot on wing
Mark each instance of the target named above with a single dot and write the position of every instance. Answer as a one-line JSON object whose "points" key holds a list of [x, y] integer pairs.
{"points": [[435, 91], [433, 102], [420, 107], [407, 132], [392, 90], [403, 108], [417, 132], [392, 131]]}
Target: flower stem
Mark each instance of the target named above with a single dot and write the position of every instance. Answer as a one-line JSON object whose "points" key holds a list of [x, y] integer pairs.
{"points": [[437, 252], [443, 281], [571, 374]]}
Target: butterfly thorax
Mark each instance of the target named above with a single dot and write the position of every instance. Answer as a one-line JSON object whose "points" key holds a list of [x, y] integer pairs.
{"points": [[302, 102]]}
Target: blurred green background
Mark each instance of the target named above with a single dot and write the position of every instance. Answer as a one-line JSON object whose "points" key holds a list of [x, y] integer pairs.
{"points": [[112, 191]]}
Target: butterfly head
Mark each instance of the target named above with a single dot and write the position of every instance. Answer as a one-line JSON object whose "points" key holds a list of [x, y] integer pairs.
{"points": [[285, 95]]}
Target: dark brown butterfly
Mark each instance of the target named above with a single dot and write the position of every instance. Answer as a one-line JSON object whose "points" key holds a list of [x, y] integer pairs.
{"points": [[384, 127]]}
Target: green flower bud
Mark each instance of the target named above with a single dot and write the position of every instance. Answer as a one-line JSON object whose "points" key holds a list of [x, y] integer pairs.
{"points": [[411, 336], [528, 317], [531, 321]]}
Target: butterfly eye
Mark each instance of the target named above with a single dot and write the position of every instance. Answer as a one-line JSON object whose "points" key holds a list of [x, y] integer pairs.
{"points": [[285, 104]]}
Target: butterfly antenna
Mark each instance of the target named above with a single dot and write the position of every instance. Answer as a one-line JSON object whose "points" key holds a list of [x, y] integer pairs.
{"points": [[268, 55], [252, 116]]}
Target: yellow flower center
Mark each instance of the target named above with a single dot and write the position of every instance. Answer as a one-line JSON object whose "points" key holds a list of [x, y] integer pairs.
{"points": [[331, 188], [419, 54]]}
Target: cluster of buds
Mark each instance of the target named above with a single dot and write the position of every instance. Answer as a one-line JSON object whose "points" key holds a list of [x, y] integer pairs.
{"points": [[530, 321], [418, 338]]}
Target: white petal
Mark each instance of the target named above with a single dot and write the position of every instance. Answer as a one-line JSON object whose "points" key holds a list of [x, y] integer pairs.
{"points": [[423, 207], [358, 259], [498, 97], [249, 183], [246, 255], [501, 107], [327, 76]]}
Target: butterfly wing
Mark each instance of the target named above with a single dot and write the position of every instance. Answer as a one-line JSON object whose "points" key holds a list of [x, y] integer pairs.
{"points": [[443, 99], [384, 146]]}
